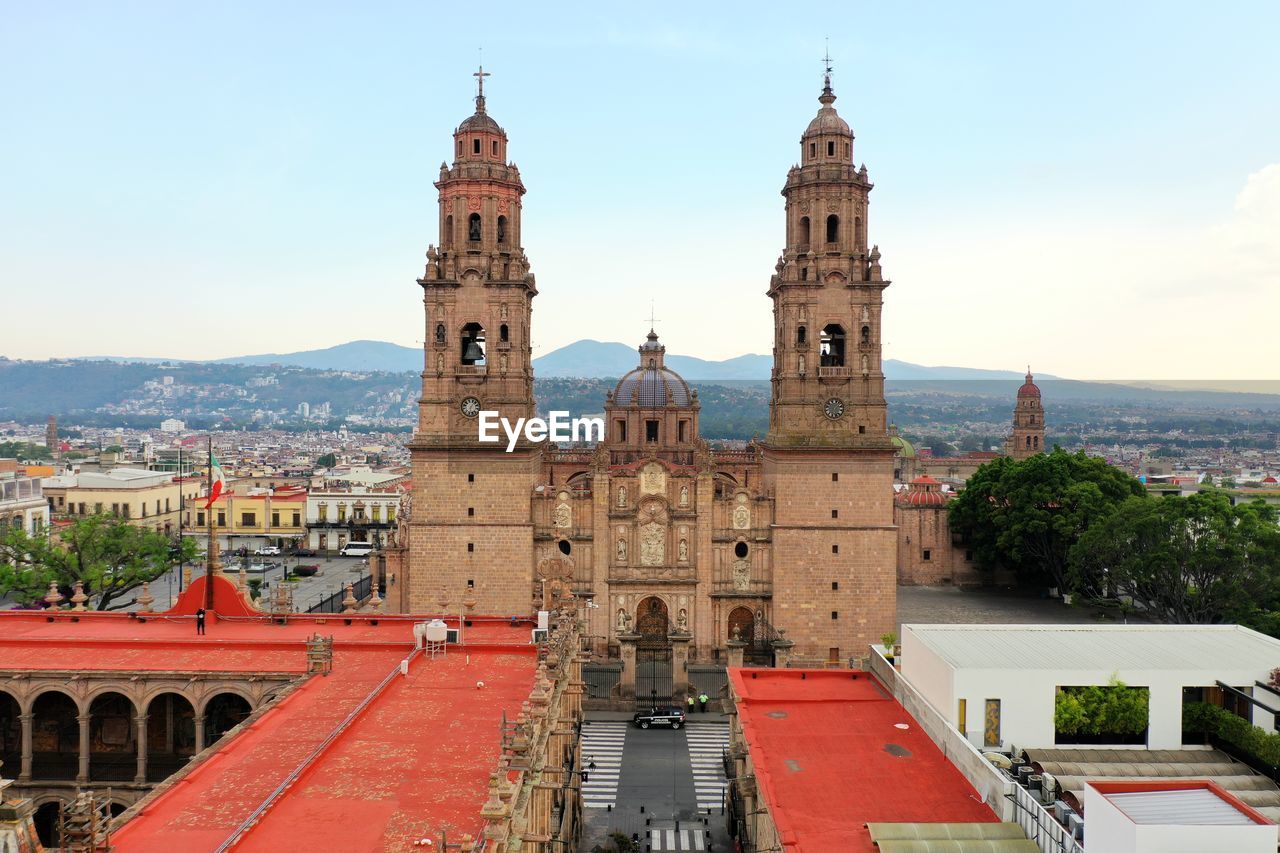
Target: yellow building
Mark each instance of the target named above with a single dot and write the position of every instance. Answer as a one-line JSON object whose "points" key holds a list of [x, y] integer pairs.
{"points": [[269, 517], [147, 498]]}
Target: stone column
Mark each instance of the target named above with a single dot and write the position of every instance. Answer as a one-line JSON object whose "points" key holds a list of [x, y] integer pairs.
{"points": [[83, 775], [24, 774], [679, 664], [736, 650], [199, 733], [141, 721], [782, 650], [627, 646]]}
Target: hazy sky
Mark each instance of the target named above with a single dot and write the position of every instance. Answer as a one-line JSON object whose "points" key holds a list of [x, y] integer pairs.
{"points": [[1091, 188]]}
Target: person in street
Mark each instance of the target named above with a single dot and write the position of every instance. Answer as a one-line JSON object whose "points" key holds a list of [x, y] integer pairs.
{"points": [[690, 700], [702, 701], [200, 621]]}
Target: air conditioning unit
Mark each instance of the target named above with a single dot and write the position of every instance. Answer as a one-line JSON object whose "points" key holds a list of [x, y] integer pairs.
{"points": [[1061, 810], [451, 636], [1048, 788], [539, 635], [1075, 824], [544, 619]]}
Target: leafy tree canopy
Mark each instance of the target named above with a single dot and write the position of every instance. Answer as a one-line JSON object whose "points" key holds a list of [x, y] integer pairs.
{"points": [[111, 557], [327, 461], [1026, 515]]}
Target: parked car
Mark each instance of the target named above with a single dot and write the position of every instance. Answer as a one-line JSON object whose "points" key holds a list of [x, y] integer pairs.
{"points": [[672, 717], [258, 568], [304, 552], [268, 551], [306, 570]]}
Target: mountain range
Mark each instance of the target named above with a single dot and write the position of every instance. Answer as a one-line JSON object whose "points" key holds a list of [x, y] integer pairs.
{"points": [[586, 359]]}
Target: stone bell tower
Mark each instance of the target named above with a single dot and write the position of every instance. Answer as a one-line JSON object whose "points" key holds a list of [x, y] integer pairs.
{"points": [[828, 457], [471, 536]]}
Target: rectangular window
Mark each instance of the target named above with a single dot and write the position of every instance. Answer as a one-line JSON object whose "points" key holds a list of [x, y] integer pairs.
{"points": [[927, 554], [115, 509], [804, 273], [835, 477], [143, 507], [835, 614], [248, 519], [622, 430], [166, 505], [495, 148], [471, 511], [200, 519], [127, 512], [97, 508], [275, 519], [471, 547], [471, 478], [684, 425], [835, 513], [222, 518], [391, 513], [813, 149], [835, 549], [342, 512], [861, 429], [962, 717], [297, 519], [831, 149], [835, 586], [651, 431], [476, 146], [324, 512], [377, 512]]}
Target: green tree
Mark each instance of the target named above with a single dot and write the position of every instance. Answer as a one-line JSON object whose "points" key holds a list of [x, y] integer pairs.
{"points": [[1026, 515], [109, 556], [327, 461], [1194, 559]]}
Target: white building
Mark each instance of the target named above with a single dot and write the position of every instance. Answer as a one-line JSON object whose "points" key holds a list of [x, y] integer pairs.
{"points": [[22, 503], [997, 684], [172, 425], [356, 514], [1172, 817]]}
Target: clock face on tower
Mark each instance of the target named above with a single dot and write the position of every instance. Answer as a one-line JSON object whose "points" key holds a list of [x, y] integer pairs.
{"points": [[833, 408], [470, 407]]}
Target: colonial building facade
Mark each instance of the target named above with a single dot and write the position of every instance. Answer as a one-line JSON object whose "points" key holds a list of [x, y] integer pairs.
{"points": [[671, 541]]}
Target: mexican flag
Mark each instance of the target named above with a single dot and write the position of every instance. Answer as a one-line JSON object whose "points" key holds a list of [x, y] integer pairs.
{"points": [[218, 478]]}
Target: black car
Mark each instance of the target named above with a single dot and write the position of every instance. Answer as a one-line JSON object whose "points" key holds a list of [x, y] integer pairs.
{"points": [[303, 552], [673, 717]]}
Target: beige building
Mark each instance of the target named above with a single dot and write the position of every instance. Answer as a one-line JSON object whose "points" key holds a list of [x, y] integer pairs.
{"points": [[22, 502], [148, 498]]}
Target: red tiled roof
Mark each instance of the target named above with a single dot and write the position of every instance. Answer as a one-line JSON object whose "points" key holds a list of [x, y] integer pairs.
{"points": [[829, 758]]}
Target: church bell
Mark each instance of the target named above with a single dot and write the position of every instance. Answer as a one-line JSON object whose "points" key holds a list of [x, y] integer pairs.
{"points": [[472, 352]]}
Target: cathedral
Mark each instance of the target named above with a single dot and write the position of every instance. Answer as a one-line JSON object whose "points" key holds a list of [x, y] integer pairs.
{"points": [[661, 538]]}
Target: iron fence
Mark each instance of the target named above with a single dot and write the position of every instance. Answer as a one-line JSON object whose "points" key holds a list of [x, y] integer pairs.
{"points": [[361, 589], [601, 678]]}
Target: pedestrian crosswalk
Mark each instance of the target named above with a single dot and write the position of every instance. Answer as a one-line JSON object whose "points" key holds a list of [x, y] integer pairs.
{"points": [[676, 840], [602, 744], [707, 743]]}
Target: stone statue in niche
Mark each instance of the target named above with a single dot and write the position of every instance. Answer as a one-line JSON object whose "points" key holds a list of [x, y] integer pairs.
{"points": [[622, 550], [622, 495], [684, 550], [741, 518], [624, 621], [682, 620], [502, 363], [439, 363], [474, 233], [741, 575], [866, 368], [802, 370], [684, 496], [653, 546], [562, 516]]}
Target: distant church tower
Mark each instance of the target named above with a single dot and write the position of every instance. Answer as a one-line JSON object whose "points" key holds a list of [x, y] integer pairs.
{"points": [[471, 534], [828, 457], [1028, 422], [51, 438]]}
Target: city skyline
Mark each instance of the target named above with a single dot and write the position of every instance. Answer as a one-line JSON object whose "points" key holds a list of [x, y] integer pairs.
{"points": [[238, 189]]}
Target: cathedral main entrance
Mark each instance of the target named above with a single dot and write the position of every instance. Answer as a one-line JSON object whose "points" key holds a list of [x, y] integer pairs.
{"points": [[653, 654]]}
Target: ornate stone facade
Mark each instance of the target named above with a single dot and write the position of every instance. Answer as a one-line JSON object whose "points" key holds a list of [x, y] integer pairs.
{"points": [[658, 529]]}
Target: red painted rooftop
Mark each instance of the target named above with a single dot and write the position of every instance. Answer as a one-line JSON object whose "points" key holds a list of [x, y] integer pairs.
{"points": [[829, 758], [415, 762]]}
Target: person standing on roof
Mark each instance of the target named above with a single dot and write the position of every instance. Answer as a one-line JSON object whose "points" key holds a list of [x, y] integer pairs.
{"points": [[200, 624]]}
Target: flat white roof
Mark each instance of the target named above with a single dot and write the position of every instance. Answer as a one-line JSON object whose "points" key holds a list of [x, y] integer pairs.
{"points": [[1189, 807], [1100, 647]]}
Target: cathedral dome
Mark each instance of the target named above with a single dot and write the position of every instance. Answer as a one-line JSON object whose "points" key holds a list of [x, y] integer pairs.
{"points": [[1029, 388], [480, 121], [827, 120], [923, 491], [652, 385]]}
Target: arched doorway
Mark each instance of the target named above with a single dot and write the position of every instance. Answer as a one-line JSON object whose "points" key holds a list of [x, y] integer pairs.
{"points": [[171, 735], [113, 745], [46, 821], [741, 624], [10, 735], [223, 712], [653, 653], [55, 737]]}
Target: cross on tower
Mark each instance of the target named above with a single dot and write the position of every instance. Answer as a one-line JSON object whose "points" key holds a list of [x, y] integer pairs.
{"points": [[652, 321], [826, 64], [480, 75]]}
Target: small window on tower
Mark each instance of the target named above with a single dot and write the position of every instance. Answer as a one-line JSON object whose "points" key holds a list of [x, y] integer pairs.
{"points": [[833, 228], [502, 229], [835, 586], [866, 334], [471, 478], [831, 149], [476, 146], [504, 334], [471, 547], [927, 554], [684, 431], [862, 429], [835, 549], [813, 149], [459, 147], [495, 148], [621, 430], [835, 476], [835, 614], [804, 273], [835, 513], [473, 227], [800, 331], [846, 149], [651, 431]]}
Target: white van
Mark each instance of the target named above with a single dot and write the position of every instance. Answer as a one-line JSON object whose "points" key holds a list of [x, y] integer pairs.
{"points": [[356, 549]]}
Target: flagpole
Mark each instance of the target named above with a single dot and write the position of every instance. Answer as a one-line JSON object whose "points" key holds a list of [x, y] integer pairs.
{"points": [[184, 559], [212, 549]]}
